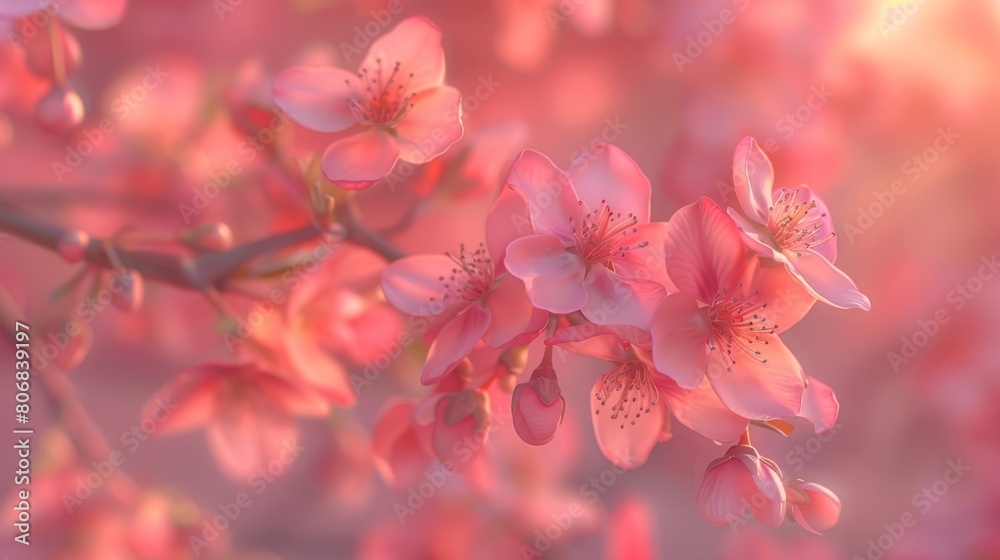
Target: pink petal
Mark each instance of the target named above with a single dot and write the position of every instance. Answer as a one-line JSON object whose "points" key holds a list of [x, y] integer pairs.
{"points": [[431, 126], [703, 249], [626, 442], [247, 438], [820, 215], [536, 421], [416, 45], [189, 400], [554, 207], [610, 175], [604, 342], [754, 388], [92, 14], [415, 285], [756, 236], [359, 161], [17, 8], [613, 299], [753, 179], [821, 513], [650, 262], [820, 406], [553, 277], [314, 367], [725, 491], [701, 410], [316, 98], [507, 220], [397, 451], [825, 281], [454, 343], [514, 320], [787, 301], [680, 331]]}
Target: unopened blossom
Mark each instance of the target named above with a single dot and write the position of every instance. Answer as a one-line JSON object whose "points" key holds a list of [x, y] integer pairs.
{"points": [[739, 482], [815, 507], [538, 405]]}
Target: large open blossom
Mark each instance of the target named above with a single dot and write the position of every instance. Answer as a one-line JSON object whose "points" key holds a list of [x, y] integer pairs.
{"points": [[791, 226], [723, 321], [594, 249], [397, 102]]}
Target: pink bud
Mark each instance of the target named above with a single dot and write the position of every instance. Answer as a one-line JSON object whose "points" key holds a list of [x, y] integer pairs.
{"points": [[59, 111], [739, 482], [208, 237], [73, 246], [129, 296], [461, 424], [816, 508], [38, 53], [538, 407]]}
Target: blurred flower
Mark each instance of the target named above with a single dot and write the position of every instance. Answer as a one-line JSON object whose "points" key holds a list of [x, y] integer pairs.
{"points": [[85, 14], [397, 95]]}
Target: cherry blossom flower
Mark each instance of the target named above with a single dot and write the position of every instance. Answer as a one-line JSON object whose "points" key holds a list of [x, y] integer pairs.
{"points": [[246, 411], [721, 323], [593, 241], [812, 506], [741, 481], [396, 100], [791, 226], [471, 301], [630, 403]]}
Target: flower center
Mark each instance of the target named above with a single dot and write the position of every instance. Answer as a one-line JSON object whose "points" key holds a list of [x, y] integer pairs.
{"points": [[383, 100], [630, 390], [795, 224], [471, 278], [604, 235], [738, 320]]}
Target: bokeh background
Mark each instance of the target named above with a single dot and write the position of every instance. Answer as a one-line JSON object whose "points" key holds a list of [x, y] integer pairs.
{"points": [[889, 109]]}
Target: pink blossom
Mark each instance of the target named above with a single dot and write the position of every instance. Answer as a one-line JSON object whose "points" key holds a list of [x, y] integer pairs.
{"points": [[396, 100], [742, 481], [721, 323], [538, 407], [812, 506], [791, 226], [471, 301], [398, 453], [630, 402], [593, 241]]}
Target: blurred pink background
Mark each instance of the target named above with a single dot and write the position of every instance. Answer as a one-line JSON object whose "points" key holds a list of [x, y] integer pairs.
{"points": [[887, 108]]}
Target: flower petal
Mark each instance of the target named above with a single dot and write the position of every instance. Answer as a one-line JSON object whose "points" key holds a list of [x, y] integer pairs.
{"points": [[359, 161], [396, 448], [92, 14], [604, 342], [787, 300], [416, 45], [454, 343], [758, 387], [514, 320], [625, 442], [820, 406], [821, 513], [825, 281], [611, 175], [753, 179], [680, 330], [819, 215], [415, 285], [703, 249], [316, 98], [507, 220], [553, 277], [701, 410], [613, 299], [552, 202], [432, 125], [248, 437], [649, 262]]}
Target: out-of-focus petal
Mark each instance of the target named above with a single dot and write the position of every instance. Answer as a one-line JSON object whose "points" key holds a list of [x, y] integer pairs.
{"points": [[92, 14]]}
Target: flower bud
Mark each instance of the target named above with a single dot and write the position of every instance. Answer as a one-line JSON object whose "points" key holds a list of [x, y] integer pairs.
{"points": [[129, 297], [814, 507], [73, 246], [739, 482], [59, 111], [538, 407], [461, 425]]}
